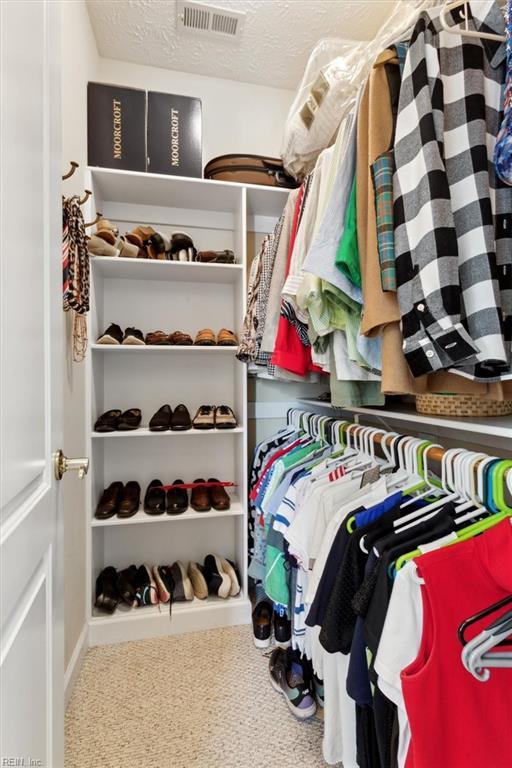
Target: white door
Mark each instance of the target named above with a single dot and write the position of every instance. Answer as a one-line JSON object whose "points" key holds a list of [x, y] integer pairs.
{"points": [[31, 613]]}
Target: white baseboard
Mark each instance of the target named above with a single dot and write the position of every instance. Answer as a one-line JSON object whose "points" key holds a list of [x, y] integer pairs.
{"points": [[75, 663]]}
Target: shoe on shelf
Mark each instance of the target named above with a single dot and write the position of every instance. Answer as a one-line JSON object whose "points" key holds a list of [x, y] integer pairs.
{"points": [[224, 417], [205, 338], [200, 497], [216, 257], [126, 585], [108, 421], [262, 624], [164, 582], [183, 589], [146, 592], [182, 247], [129, 420], [196, 576], [205, 417], [98, 247], [107, 596], [177, 499], [154, 500], [217, 579], [149, 241], [107, 231], [134, 337], [226, 338], [113, 335], [234, 575], [157, 338], [109, 501], [287, 677], [161, 420], [180, 339], [282, 629], [180, 420], [130, 500], [218, 497]]}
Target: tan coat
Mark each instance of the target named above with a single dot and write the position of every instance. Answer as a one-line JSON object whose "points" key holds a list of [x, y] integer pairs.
{"points": [[381, 314]]}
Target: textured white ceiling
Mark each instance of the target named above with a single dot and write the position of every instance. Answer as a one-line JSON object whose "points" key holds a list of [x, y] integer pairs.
{"points": [[275, 45]]}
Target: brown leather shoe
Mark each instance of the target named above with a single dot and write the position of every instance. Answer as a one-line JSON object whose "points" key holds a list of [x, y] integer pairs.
{"points": [[218, 496], [109, 502], [216, 257], [130, 500], [200, 497], [205, 338], [181, 339], [157, 338], [226, 338]]}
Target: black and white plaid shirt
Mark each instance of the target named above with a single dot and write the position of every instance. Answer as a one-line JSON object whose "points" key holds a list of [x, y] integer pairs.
{"points": [[452, 215]]}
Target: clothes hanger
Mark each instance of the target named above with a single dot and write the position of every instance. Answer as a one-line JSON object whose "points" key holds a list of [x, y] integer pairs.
{"points": [[464, 16], [430, 487]]}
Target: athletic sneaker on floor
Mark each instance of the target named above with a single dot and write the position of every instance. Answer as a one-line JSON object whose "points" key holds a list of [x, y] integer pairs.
{"points": [[262, 624], [287, 677]]}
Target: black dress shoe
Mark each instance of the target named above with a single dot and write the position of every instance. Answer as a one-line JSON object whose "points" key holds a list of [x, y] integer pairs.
{"points": [[107, 596], [154, 500], [113, 335], [282, 630], [177, 499], [161, 420], [180, 419], [262, 624], [126, 585], [133, 336]]}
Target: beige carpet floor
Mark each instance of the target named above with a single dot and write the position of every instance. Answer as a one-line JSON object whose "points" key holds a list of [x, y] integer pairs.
{"points": [[201, 700]]}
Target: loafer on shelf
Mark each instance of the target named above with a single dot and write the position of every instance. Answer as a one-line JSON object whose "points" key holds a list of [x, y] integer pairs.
{"points": [[180, 339], [180, 420], [224, 417], [200, 497], [108, 421], [216, 257], [109, 501], [130, 500], [154, 500], [205, 417], [205, 338], [177, 499], [113, 335], [126, 585], [129, 420], [218, 496], [157, 338], [196, 576], [161, 420], [226, 338], [107, 596], [133, 336]]}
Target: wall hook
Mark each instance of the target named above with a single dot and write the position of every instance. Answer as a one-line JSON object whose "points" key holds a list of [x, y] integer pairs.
{"points": [[86, 196], [91, 223], [71, 171]]}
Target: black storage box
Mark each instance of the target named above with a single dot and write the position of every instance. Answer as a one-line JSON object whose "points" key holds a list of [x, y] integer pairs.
{"points": [[174, 135], [116, 127]]}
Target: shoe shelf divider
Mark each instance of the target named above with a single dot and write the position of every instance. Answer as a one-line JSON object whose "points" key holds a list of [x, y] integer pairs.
{"points": [[169, 296]]}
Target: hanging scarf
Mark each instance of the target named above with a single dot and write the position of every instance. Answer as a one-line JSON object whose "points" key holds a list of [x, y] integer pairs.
{"points": [[503, 148], [75, 273]]}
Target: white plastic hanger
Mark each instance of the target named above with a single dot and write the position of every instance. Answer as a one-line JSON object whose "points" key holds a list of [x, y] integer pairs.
{"points": [[464, 16]]}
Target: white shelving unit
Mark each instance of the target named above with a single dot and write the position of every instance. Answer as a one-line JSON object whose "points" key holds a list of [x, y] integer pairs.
{"points": [[169, 296]]}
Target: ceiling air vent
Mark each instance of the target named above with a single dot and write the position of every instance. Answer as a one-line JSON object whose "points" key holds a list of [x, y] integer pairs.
{"points": [[209, 20]]}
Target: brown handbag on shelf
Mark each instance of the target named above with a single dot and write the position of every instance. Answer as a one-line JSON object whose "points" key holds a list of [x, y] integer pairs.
{"points": [[249, 169]]}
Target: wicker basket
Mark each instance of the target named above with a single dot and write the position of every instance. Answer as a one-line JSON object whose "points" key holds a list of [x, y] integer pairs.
{"points": [[462, 405]]}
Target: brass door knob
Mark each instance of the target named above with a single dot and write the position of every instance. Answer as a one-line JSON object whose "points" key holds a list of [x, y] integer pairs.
{"points": [[62, 464]]}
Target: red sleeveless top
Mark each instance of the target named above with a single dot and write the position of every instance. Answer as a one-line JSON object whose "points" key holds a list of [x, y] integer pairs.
{"points": [[457, 721]]}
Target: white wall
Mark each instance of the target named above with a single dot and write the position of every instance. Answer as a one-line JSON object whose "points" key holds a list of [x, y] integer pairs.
{"points": [[79, 63], [237, 117]]}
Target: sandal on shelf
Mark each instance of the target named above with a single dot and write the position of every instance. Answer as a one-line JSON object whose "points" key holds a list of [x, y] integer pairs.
{"points": [[205, 338], [157, 338], [107, 596], [108, 421], [129, 420], [182, 247], [180, 339], [226, 338], [216, 257], [224, 417], [161, 420], [98, 247], [107, 231], [126, 250]]}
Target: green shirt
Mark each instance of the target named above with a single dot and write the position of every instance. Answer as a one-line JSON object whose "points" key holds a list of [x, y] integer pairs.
{"points": [[347, 255]]}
